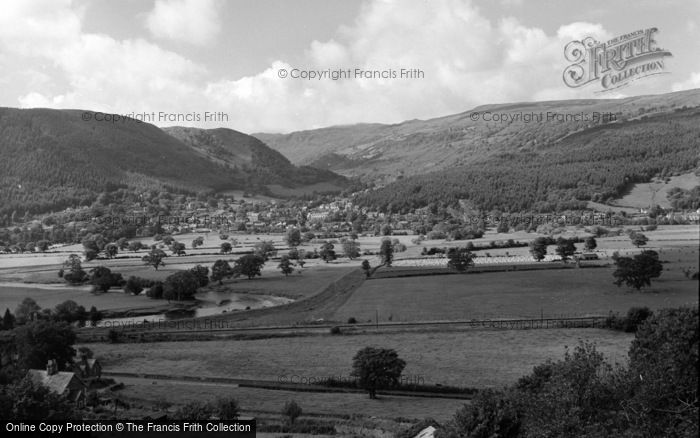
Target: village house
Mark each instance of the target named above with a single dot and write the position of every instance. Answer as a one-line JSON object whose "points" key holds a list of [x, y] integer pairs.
{"points": [[65, 383], [87, 369]]}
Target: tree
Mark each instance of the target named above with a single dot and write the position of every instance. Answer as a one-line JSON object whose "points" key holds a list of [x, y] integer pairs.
{"points": [[180, 286], [155, 291], [293, 237], [377, 368], [42, 245], [249, 265], [198, 241], [351, 248], [367, 268], [226, 248], [111, 250], [638, 239], [8, 320], [69, 311], [221, 269], [227, 408], [194, 411], [154, 257], [637, 271], [503, 226], [565, 248], [75, 274], [94, 315], [101, 277], [133, 285], [292, 411], [178, 248], [31, 402], [460, 259], [264, 249], [202, 275], [26, 310], [386, 230], [386, 252], [135, 246], [39, 341], [327, 252], [663, 362], [490, 414], [286, 265], [590, 243], [122, 243], [538, 248]]}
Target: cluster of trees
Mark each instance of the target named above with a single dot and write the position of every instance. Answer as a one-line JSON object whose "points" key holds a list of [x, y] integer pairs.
{"points": [[582, 395], [68, 311]]}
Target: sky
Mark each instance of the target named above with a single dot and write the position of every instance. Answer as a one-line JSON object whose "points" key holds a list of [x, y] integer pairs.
{"points": [[188, 58]]}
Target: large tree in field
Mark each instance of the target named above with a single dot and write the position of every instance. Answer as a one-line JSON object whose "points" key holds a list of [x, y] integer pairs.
{"points": [[180, 286], [637, 271], [111, 250], [377, 368], [154, 257], [460, 259], [293, 237], [327, 252], [538, 248], [72, 270], [178, 248], [249, 265], [638, 239], [286, 265], [220, 270], [226, 248], [386, 251], [351, 248], [565, 248]]}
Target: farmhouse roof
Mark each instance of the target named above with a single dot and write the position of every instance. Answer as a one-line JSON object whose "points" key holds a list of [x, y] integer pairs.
{"points": [[57, 382]]}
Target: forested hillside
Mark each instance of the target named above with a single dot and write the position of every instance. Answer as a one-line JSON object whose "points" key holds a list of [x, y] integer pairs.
{"points": [[596, 164], [53, 159], [244, 153]]}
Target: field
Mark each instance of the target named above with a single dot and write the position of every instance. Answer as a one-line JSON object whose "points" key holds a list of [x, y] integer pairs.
{"points": [[525, 294], [481, 358], [655, 193], [253, 401]]}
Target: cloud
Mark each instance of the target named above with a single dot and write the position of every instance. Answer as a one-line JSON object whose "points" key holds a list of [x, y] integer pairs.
{"points": [[466, 60], [92, 71], [189, 21], [692, 82]]}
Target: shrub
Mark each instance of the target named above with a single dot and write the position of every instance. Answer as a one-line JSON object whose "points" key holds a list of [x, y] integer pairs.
{"points": [[335, 330], [352, 320]]}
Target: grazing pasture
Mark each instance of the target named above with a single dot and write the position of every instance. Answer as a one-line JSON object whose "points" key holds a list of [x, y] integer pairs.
{"points": [[478, 358], [512, 294]]}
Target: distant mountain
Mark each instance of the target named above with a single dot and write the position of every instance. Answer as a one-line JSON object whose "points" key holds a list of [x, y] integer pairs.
{"points": [[541, 156], [384, 152], [52, 159]]}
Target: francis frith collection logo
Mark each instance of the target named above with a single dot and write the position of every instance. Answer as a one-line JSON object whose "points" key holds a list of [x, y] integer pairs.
{"points": [[614, 63]]}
